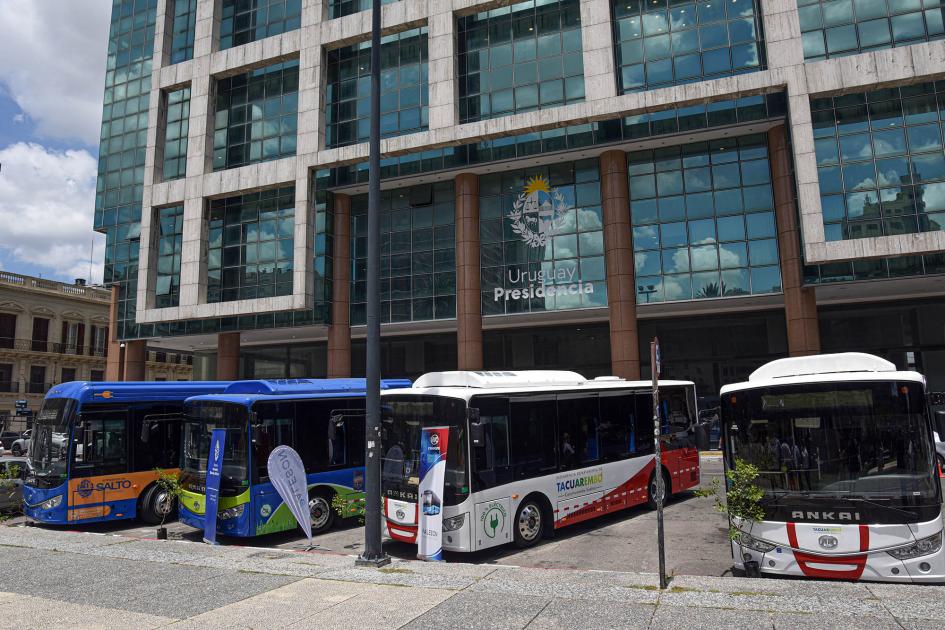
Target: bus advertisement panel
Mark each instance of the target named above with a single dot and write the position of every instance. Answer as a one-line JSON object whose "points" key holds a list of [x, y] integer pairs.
{"points": [[322, 420], [846, 458], [531, 451], [96, 447]]}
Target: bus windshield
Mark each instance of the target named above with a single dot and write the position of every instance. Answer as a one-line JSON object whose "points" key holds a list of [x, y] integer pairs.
{"points": [[200, 419], [49, 442], [862, 440], [402, 419]]}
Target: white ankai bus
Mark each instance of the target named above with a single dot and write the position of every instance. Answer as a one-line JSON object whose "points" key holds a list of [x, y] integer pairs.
{"points": [[847, 462], [532, 451]]}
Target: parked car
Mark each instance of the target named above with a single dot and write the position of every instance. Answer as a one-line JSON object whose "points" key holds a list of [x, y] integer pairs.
{"points": [[22, 444], [11, 486], [7, 438]]}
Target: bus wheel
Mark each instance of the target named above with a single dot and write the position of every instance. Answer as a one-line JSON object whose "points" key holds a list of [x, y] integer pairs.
{"points": [[17, 451], [651, 490], [155, 506], [319, 507], [529, 523]]}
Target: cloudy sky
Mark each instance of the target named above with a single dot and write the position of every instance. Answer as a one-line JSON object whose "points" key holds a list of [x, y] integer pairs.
{"points": [[52, 76]]}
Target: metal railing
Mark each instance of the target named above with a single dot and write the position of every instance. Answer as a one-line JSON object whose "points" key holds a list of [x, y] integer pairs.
{"points": [[9, 387], [38, 388], [37, 345], [51, 286]]}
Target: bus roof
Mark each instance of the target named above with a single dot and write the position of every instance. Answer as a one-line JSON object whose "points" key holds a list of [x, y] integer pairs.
{"points": [[125, 391], [824, 368], [248, 392], [462, 384]]}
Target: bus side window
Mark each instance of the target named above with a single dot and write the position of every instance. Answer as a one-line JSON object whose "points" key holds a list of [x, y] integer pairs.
{"points": [[533, 444], [491, 460], [577, 430], [675, 415], [274, 428], [103, 449], [643, 401], [618, 430]]}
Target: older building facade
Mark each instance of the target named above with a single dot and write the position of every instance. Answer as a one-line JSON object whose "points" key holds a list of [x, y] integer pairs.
{"points": [[563, 180], [52, 332]]}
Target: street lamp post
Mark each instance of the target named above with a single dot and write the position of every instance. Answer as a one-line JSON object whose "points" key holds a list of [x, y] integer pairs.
{"points": [[373, 554]]}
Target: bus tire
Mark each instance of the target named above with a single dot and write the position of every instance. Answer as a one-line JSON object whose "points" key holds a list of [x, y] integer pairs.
{"points": [[651, 489], [531, 520], [320, 510], [17, 451], [153, 504]]}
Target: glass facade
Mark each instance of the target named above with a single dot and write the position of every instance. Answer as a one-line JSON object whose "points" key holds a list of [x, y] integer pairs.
{"points": [[881, 162], [250, 245], [170, 239], [703, 221], [584, 349], [183, 29], [520, 58], [404, 89], [541, 239], [659, 44], [244, 21], [667, 122], [256, 116], [122, 151], [418, 258], [878, 269], [175, 133], [832, 28], [409, 356], [341, 8]]}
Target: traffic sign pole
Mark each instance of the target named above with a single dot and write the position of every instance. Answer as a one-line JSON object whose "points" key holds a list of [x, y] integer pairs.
{"points": [[658, 470]]}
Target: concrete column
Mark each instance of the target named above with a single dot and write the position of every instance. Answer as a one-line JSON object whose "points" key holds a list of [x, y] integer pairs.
{"points": [[113, 363], [618, 258], [468, 297], [136, 352], [339, 333], [800, 303], [228, 356]]}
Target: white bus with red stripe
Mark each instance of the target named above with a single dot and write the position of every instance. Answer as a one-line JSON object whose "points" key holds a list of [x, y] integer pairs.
{"points": [[532, 451], [846, 458]]}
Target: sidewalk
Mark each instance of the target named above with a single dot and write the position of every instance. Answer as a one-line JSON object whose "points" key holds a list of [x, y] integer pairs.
{"points": [[107, 581]]}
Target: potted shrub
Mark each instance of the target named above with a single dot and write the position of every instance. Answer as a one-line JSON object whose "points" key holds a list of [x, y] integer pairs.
{"points": [[168, 484]]}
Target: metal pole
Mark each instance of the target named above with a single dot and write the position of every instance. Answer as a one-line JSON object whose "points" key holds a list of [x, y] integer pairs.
{"points": [[373, 553], [658, 470]]}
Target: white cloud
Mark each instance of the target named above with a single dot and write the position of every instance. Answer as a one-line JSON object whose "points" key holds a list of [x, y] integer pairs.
{"points": [[53, 63], [47, 200]]}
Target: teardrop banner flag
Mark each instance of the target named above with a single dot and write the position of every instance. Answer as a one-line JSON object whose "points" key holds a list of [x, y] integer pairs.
{"points": [[433, 444], [287, 475]]}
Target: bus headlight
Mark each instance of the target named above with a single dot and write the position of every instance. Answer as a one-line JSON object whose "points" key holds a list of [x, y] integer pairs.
{"points": [[453, 523], [233, 512], [922, 547], [747, 540], [49, 504]]}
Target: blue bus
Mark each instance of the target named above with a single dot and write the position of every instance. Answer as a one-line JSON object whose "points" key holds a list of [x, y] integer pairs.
{"points": [[323, 420], [95, 448]]}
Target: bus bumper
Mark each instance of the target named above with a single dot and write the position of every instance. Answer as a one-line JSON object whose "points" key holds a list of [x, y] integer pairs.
{"points": [[874, 566], [46, 505], [236, 526]]}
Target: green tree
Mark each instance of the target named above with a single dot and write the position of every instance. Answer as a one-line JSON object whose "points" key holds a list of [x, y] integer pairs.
{"points": [[169, 483], [740, 501]]}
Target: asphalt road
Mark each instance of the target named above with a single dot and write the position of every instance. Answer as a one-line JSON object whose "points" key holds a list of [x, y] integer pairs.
{"points": [[696, 540]]}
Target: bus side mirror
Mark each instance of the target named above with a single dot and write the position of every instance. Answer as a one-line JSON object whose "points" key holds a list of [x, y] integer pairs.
{"points": [[938, 423]]}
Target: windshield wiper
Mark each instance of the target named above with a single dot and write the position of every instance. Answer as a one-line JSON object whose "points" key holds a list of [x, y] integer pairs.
{"points": [[859, 498]]}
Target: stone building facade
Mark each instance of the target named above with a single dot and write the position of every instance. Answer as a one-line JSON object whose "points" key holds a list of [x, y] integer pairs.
{"points": [[52, 332]]}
